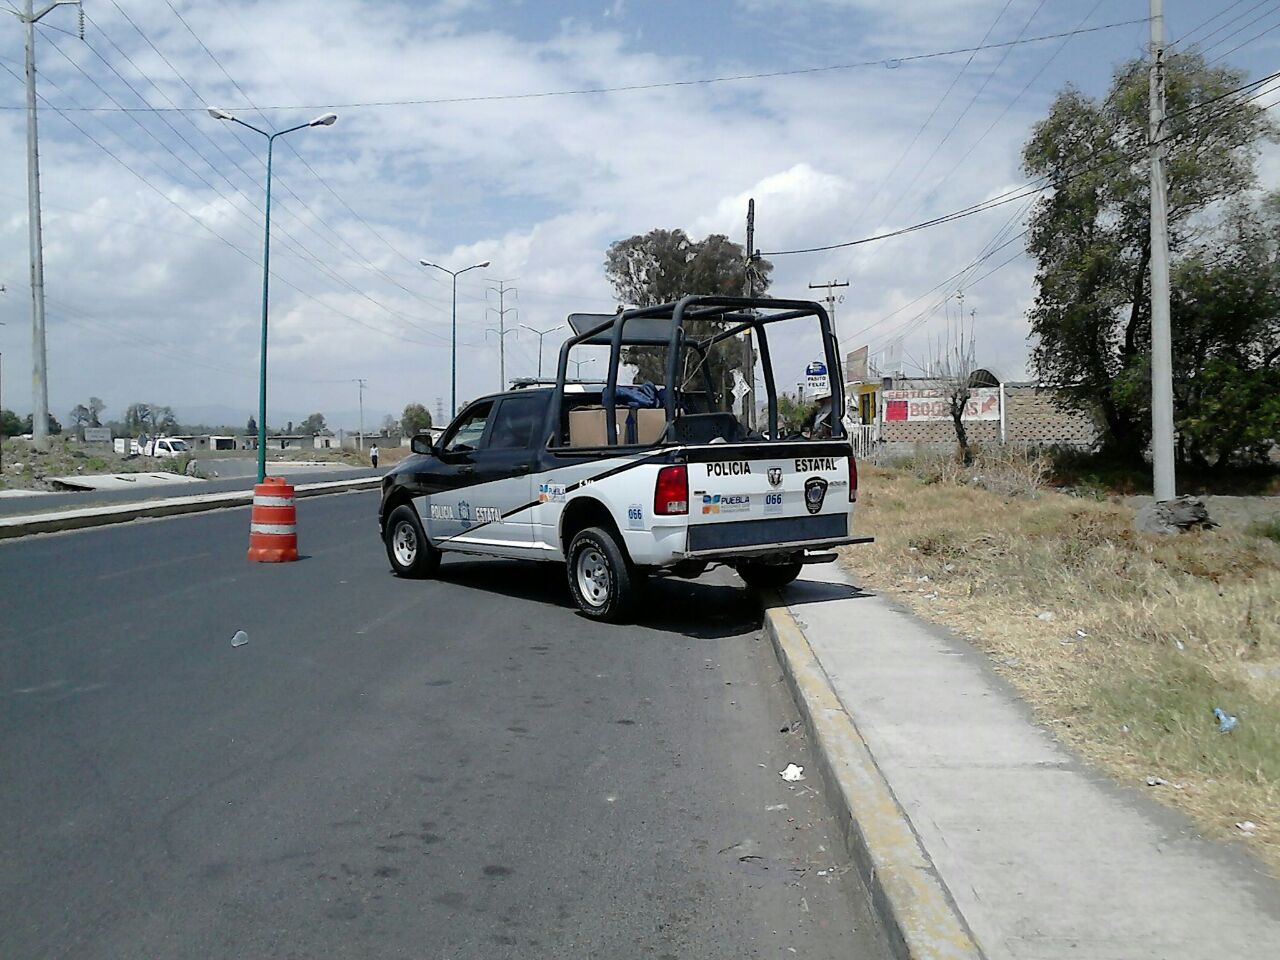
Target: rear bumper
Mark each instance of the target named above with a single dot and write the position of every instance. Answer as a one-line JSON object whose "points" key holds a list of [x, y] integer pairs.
{"points": [[751, 551]]}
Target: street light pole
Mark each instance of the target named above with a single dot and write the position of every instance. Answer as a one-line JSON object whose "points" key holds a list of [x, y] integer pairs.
{"points": [[325, 120], [453, 377], [540, 334], [577, 371]]}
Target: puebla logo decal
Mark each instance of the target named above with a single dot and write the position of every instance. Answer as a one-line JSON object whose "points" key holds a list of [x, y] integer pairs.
{"points": [[815, 491], [775, 476]]}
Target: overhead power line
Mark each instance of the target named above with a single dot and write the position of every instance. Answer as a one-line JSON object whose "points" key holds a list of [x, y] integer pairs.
{"points": [[1204, 23], [888, 62], [1203, 40], [866, 207]]}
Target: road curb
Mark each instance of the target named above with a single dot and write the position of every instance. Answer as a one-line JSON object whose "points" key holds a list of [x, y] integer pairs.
{"points": [[23, 526], [909, 898]]}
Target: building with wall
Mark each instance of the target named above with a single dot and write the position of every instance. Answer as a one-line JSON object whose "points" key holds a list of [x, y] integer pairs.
{"points": [[895, 416]]}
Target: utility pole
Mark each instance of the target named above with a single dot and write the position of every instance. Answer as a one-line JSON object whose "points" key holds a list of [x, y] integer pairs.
{"points": [[540, 334], [39, 371], [502, 290], [361, 381], [831, 300], [2, 290], [748, 350], [1164, 482]]}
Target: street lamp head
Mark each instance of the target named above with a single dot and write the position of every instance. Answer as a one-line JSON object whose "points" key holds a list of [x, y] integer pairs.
{"points": [[219, 114], [325, 120], [428, 263], [485, 264]]}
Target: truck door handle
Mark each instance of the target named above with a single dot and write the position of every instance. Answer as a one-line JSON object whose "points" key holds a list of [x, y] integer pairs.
{"points": [[522, 468], [465, 469]]}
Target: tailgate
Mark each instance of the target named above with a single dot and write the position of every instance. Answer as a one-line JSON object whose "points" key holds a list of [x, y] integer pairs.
{"points": [[768, 493]]}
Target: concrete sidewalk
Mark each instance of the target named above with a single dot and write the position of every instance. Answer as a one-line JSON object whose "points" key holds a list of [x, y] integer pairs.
{"points": [[1041, 856]]}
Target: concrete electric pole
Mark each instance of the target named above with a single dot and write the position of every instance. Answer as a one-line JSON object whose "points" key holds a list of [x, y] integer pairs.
{"points": [[361, 381], [39, 373], [502, 310], [1161, 336], [831, 300], [748, 349]]}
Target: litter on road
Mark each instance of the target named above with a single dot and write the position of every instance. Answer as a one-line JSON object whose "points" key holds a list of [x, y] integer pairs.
{"points": [[1226, 722], [792, 774], [240, 639]]}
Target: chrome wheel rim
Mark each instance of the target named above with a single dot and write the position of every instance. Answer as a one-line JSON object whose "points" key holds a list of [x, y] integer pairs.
{"points": [[593, 576], [404, 543]]}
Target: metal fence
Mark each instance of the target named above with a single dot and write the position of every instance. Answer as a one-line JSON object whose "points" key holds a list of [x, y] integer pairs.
{"points": [[863, 438]]}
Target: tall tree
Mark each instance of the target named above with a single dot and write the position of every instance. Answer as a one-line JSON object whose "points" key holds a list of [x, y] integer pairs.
{"points": [[251, 427], [1091, 320], [415, 419], [312, 425], [150, 418], [665, 265]]}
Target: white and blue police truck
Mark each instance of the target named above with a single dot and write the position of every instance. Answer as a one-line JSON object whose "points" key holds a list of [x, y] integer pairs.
{"points": [[623, 482]]}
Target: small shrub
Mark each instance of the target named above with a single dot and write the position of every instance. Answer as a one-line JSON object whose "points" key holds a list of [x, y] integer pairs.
{"points": [[1270, 529]]}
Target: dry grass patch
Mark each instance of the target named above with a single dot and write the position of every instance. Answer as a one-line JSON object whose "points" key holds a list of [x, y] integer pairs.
{"points": [[1124, 642]]}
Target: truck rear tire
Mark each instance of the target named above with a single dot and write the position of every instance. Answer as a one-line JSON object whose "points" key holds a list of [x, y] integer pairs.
{"points": [[768, 576], [600, 577], [410, 552]]}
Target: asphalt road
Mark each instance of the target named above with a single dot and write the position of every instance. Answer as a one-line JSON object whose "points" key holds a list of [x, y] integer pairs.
{"points": [[461, 768], [49, 502]]}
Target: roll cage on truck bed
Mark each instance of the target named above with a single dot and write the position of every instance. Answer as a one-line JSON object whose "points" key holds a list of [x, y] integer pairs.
{"points": [[622, 482]]}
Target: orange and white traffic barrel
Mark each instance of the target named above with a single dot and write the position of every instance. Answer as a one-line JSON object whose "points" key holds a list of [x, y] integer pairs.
{"points": [[273, 527]]}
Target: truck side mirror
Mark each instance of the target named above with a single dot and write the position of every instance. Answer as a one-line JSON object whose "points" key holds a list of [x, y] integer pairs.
{"points": [[422, 444]]}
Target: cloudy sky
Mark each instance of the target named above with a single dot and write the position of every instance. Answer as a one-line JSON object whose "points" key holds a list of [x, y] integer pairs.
{"points": [[153, 217]]}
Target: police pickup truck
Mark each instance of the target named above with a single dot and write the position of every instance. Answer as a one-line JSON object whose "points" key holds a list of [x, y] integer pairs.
{"points": [[621, 482]]}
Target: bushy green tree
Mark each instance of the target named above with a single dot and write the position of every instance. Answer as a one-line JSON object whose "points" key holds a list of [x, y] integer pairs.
{"points": [[1091, 320], [312, 425], [415, 419], [150, 418], [665, 265]]}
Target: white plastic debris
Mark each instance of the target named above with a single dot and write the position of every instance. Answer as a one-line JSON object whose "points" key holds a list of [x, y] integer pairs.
{"points": [[240, 639], [1157, 782], [1246, 826], [792, 774], [1046, 616], [1081, 634], [773, 807]]}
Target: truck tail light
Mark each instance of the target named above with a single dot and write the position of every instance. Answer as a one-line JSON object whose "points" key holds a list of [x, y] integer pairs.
{"points": [[671, 493], [853, 479]]}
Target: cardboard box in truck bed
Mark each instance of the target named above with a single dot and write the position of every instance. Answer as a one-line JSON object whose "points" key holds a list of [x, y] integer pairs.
{"points": [[587, 426]]}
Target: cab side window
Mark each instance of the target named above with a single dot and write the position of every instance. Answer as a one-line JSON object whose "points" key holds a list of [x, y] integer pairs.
{"points": [[517, 422], [468, 433]]}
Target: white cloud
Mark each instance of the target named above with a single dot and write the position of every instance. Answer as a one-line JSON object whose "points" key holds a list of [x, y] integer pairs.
{"points": [[539, 186]]}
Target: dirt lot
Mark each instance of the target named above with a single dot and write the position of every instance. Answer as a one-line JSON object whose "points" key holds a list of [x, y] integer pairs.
{"points": [[24, 468], [1124, 643]]}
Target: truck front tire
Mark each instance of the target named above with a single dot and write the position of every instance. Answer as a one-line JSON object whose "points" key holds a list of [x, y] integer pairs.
{"points": [[600, 577], [768, 576], [410, 552]]}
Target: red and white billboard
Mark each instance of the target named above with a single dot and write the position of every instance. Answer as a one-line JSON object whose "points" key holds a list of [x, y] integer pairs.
{"points": [[931, 404]]}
